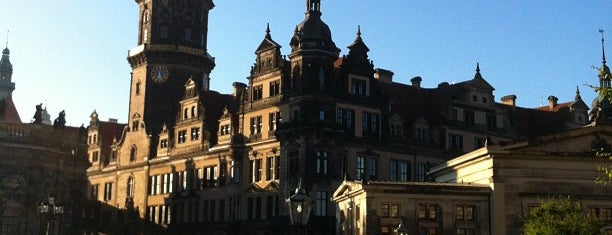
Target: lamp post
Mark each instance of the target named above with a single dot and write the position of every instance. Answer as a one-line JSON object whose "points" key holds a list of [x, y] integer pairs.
{"points": [[299, 205], [51, 211]]}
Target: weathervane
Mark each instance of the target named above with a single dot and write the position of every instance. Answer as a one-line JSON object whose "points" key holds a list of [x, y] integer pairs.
{"points": [[7, 34]]}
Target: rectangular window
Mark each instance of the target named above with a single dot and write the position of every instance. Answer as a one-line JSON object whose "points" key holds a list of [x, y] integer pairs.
{"points": [[94, 192], [360, 163], [399, 171], [369, 124], [255, 125], [321, 203], [358, 86], [421, 172], [182, 136], [345, 117], [427, 211], [372, 168], [468, 116], [258, 92], [94, 156], [270, 168], [108, 191], [606, 214], [225, 129], [256, 170], [491, 121], [274, 119], [209, 177], [274, 88], [135, 125], [389, 210], [455, 142], [163, 143], [464, 213], [195, 134], [322, 115], [321, 162]]}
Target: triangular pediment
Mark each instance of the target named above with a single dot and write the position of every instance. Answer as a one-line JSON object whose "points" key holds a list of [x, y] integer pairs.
{"points": [[347, 187], [267, 44]]}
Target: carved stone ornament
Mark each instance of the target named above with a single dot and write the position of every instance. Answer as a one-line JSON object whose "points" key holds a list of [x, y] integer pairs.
{"points": [[12, 181]]}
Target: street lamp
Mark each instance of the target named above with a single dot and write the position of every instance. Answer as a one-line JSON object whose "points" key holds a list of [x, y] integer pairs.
{"points": [[51, 211], [299, 205]]}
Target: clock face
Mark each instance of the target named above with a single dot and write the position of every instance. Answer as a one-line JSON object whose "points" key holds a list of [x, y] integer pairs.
{"points": [[159, 74]]}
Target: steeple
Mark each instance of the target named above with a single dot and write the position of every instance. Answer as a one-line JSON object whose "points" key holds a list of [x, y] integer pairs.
{"points": [[478, 75], [357, 58], [577, 94], [604, 72]]}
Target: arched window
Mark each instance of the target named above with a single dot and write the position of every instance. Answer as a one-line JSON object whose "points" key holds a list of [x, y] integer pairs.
{"points": [[133, 154], [130, 186], [185, 113], [193, 114]]}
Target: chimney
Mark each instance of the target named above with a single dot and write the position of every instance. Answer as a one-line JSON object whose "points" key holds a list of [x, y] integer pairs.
{"points": [[509, 100], [383, 75], [112, 120], [552, 102], [416, 81], [239, 88]]}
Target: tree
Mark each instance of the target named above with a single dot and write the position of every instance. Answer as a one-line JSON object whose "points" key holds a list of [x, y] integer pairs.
{"points": [[560, 217]]}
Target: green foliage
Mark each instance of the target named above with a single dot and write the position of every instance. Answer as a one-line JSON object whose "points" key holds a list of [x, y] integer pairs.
{"points": [[560, 217], [605, 170]]}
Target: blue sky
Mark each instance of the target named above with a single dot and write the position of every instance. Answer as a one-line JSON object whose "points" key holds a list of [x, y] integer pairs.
{"points": [[73, 56]]}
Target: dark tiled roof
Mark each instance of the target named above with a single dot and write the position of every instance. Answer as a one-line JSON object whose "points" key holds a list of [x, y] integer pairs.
{"points": [[531, 123], [109, 131], [214, 103]]}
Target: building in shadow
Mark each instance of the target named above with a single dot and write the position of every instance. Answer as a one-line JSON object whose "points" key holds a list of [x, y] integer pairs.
{"points": [[190, 159]]}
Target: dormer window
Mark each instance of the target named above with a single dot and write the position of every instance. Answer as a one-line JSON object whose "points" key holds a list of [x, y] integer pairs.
{"points": [[358, 86]]}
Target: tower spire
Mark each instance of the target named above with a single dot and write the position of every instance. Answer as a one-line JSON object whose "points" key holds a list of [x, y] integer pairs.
{"points": [[603, 50], [268, 36], [477, 75], [7, 37]]}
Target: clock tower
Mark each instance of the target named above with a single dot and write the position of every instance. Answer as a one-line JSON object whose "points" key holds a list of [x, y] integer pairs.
{"points": [[172, 48]]}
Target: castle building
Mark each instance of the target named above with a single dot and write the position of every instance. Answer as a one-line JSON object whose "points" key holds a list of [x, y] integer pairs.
{"points": [[491, 189], [38, 161], [191, 159]]}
